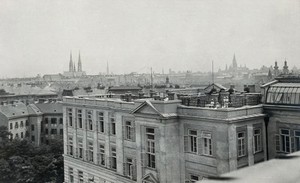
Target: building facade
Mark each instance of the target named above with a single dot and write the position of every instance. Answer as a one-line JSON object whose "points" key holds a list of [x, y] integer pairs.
{"points": [[281, 103], [153, 141], [35, 122]]}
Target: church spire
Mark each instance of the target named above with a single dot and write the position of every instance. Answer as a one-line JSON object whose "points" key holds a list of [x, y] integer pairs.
{"points": [[285, 68], [107, 69], [70, 63], [79, 64], [234, 63]]}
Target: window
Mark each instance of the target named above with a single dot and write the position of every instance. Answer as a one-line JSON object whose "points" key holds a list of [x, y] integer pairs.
{"points": [[70, 117], [46, 120], [21, 124], [257, 140], [71, 175], [285, 140], [16, 125], [90, 178], [193, 140], [194, 178], [241, 144], [70, 146], [129, 168], [129, 130], [101, 157], [61, 131], [113, 160], [113, 125], [32, 138], [26, 134], [22, 134], [53, 121], [79, 118], [80, 176], [46, 131], [27, 124], [90, 119], [17, 135], [297, 140], [150, 149], [91, 152], [53, 131], [207, 147], [60, 121], [10, 126], [100, 122], [32, 127], [80, 149]]}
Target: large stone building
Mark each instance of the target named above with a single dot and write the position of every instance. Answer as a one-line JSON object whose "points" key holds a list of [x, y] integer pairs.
{"points": [[282, 101], [153, 141], [110, 140], [35, 122]]}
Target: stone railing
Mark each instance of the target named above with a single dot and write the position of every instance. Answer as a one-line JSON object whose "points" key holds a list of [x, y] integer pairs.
{"points": [[220, 113], [112, 103]]}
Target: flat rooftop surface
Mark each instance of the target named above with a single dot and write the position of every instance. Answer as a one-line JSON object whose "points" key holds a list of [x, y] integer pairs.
{"points": [[281, 170]]}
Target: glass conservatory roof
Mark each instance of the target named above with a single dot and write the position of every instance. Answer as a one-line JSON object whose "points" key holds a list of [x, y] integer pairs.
{"points": [[284, 93]]}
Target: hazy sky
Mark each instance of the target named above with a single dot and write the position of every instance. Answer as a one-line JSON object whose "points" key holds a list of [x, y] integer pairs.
{"points": [[134, 35]]}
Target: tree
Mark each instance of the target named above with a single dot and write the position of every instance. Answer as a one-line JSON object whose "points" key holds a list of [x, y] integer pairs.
{"points": [[21, 161], [4, 135], [5, 171]]}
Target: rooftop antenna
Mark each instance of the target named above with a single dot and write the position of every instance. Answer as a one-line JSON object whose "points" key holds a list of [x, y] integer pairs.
{"points": [[107, 68], [212, 73], [151, 79]]}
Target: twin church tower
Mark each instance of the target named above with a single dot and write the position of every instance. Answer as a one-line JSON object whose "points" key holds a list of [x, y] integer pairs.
{"points": [[72, 68]]}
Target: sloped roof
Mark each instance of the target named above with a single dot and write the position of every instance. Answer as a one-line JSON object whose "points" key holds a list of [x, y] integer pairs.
{"points": [[13, 110], [217, 85], [50, 108], [33, 109], [26, 90], [148, 103], [269, 83], [94, 91], [125, 88]]}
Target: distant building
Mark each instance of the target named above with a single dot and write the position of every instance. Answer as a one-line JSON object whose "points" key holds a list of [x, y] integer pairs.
{"points": [[124, 89], [234, 69], [35, 122], [53, 77], [24, 93], [72, 68]]}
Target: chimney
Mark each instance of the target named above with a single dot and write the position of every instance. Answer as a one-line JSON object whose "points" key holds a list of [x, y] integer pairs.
{"points": [[171, 95], [152, 93], [128, 97], [141, 95], [156, 97]]}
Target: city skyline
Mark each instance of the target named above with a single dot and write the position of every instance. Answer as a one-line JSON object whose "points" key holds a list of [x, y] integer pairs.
{"points": [[36, 37]]}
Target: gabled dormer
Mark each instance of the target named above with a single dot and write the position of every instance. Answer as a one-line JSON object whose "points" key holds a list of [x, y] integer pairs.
{"points": [[157, 109]]}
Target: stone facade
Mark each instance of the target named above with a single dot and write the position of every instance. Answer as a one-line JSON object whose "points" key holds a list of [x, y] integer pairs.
{"points": [[29, 121], [143, 141]]}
